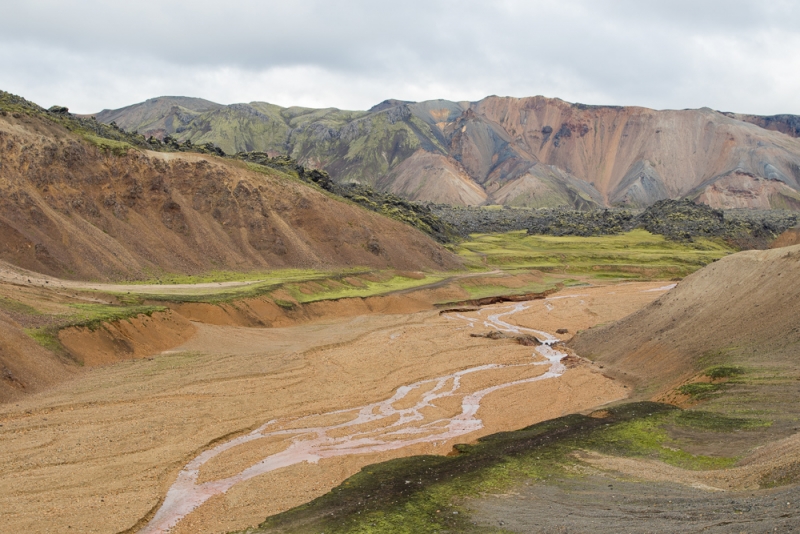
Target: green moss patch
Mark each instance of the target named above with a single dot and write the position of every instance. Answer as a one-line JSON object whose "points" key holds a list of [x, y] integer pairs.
{"points": [[284, 304], [724, 371], [422, 494], [700, 390], [93, 315], [635, 254], [90, 316], [46, 337], [647, 437], [348, 287], [118, 148], [480, 288]]}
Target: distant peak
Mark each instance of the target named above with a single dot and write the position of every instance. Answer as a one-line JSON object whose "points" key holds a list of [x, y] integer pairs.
{"points": [[390, 103]]}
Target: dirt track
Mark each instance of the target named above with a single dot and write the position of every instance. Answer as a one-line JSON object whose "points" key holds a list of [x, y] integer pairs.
{"points": [[97, 454]]}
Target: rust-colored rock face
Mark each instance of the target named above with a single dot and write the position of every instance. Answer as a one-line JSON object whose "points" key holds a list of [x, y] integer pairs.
{"points": [[72, 210], [630, 156]]}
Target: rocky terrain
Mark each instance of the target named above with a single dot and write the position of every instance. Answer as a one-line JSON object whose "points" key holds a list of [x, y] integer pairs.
{"points": [[86, 205], [677, 220], [531, 152]]}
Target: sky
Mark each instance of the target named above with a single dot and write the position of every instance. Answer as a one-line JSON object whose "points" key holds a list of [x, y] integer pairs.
{"points": [[89, 55]]}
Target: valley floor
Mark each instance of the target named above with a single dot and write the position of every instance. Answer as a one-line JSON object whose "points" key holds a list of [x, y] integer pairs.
{"points": [[99, 453]]}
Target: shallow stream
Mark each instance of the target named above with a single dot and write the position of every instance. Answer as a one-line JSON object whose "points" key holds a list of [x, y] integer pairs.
{"points": [[388, 427]]}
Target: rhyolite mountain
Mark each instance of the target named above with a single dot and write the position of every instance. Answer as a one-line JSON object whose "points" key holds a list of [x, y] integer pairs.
{"points": [[532, 152]]}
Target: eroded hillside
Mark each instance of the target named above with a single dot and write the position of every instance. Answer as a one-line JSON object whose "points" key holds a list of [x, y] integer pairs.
{"points": [[536, 152], [740, 309], [76, 209]]}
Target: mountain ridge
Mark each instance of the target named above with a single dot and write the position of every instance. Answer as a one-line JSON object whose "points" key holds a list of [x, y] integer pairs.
{"points": [[525, 152]]}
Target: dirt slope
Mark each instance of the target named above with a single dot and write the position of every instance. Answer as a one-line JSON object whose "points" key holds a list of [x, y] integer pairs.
{"points": [[70, 209], [26, 367], [533, 151], [747, 303], [788, 238]]}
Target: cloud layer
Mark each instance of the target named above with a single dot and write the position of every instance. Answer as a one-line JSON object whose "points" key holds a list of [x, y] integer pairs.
{"points": [[731, 55]]}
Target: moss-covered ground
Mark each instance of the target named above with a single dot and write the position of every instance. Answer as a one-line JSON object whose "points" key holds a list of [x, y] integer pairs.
{"points": [[425, 494], [348, 287], [478, 290], [303, 285], [273, 276], [635, 254]]}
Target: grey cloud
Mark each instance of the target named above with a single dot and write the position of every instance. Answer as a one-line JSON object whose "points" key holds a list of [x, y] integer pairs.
{"points": [[92, 54]]}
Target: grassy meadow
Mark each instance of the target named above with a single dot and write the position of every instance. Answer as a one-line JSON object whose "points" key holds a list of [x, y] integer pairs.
{"points": [[635, 254]]}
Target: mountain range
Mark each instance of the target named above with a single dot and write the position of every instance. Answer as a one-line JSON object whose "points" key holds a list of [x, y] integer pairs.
{"points": [[519, 152]]}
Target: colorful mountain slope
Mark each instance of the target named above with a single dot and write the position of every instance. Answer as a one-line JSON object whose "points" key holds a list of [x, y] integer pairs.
{"points": [[535, 152]]}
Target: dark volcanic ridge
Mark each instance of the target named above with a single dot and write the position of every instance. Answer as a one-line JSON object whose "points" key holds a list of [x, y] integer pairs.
{"points": [[680, 220]]}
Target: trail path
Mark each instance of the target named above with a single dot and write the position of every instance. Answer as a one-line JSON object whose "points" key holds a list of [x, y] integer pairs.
{"points": [[19, 276]]}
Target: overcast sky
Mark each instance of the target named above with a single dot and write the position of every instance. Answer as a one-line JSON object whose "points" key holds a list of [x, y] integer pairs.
{"points": [[89, 55]]}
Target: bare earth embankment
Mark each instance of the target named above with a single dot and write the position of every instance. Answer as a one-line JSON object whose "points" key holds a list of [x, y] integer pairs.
{"points": [[99, 453]]}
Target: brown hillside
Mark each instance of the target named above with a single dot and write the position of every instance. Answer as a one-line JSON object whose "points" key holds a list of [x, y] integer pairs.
{"points": [[70, 209], [788, 238], [745, 305]]}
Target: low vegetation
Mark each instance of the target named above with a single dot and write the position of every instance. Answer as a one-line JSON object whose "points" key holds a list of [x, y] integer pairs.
{"points": [[634, 254], [426, 494], [303, 285], [359, 286], [483, 289], [717, 422], [721, 378], [91, 316]]}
